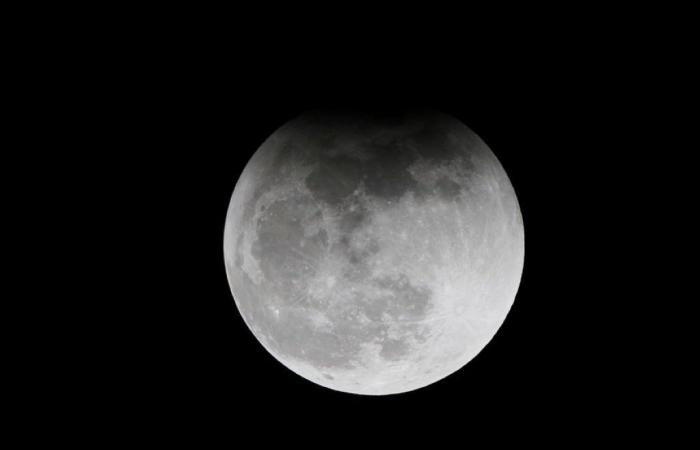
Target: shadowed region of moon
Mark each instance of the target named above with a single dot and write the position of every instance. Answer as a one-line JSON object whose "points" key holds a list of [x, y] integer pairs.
{"points": [[374, 255]]}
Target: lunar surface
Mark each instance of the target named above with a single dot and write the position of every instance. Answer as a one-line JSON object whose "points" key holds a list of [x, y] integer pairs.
{"points": [[374, 254]]}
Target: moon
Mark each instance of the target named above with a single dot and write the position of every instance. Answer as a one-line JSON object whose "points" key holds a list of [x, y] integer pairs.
{"points": [[374, 253]]}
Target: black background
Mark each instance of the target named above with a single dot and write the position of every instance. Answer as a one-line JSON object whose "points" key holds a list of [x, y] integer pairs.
{"points": [[135, 123], [186, 123]]}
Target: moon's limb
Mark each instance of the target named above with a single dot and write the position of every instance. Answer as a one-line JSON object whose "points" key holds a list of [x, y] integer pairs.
{"points": [[374, 257]]}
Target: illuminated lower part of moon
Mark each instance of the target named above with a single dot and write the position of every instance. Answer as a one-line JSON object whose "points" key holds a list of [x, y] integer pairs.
{"points": [[374, 254]]}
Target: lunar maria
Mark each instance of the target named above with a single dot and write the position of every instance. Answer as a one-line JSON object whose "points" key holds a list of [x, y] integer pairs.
{"points": [[374, 254]]}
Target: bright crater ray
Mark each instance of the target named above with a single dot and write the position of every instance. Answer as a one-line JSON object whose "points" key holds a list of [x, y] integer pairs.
{"points": [[374, 254]]}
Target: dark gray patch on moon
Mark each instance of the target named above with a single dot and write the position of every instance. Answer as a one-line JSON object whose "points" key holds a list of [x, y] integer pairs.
{"points": [[393, 349], [386, 174], [284, 253], [404, 301], [442, 140], [447, 189], [296, 336], [432, 143], [358, 255], [334, 179], [352, 220], [239, 249]]}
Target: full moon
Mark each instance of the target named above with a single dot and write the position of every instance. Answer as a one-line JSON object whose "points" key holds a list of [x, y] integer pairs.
{"points": [[373, 253]]}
